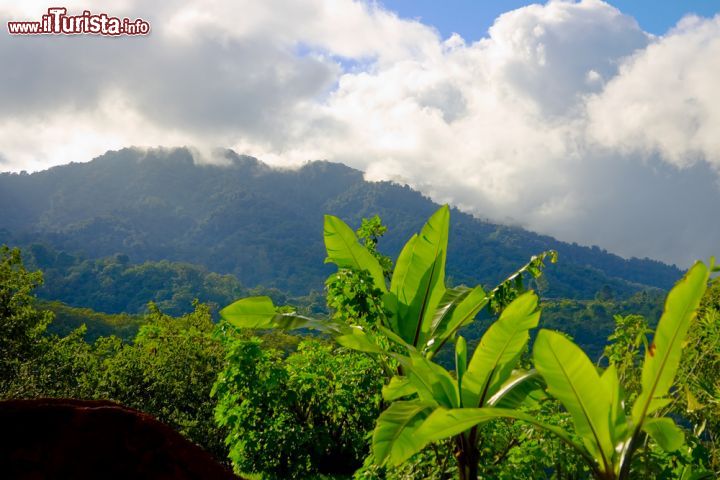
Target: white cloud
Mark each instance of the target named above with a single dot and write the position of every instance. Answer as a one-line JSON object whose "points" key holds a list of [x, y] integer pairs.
{"points": [[567, 118], [665, 99]]}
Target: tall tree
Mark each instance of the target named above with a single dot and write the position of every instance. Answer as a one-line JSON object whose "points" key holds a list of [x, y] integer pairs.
{"points": [[21, 324]]}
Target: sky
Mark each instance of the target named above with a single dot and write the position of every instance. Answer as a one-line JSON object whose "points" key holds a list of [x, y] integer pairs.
{"points": [[472, 18], [593, 122]]}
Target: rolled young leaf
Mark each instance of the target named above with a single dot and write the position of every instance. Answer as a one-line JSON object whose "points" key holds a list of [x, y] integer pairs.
{"points": [[460, 363]]}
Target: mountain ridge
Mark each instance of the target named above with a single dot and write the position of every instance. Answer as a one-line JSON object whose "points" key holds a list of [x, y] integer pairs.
{"points": [[264, 225]]}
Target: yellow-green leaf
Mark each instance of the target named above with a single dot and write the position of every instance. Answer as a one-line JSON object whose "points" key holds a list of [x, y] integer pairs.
{"points": [[665, 433], [356, 339], [499, 349], [693, 404], [418, 282], [458, 307], [397, 388], [573, 380], [251, 312], [663, 355], [344, 250], [394, 439]]}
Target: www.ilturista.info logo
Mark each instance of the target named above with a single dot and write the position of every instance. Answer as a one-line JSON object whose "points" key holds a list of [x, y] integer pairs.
{"points": [[58, 22]]}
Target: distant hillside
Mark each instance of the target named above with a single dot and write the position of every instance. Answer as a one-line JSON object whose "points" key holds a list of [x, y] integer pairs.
{"points": [[264, 225], [112, 285], [97, 324]]}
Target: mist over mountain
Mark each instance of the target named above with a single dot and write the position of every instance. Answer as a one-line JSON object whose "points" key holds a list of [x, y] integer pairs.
{"points": [[264, 225]]}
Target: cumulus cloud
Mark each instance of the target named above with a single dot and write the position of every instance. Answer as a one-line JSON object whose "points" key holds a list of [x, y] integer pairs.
{"points": [[566, 118], [665, 100]]}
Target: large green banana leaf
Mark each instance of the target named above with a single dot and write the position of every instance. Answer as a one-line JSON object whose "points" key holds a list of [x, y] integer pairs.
{"points": [[663, 356], [418, 281], [398, 387], [355, 338], [457, 308], [574, 381], [394, 439], [432, 382], [344, 250], [260, 313], [499, 349], [522, 389], [619, 428], [428, 424]]}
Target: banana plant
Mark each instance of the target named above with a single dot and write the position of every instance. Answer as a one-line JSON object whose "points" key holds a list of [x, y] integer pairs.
{"points": [[596, 400], [488, 380], [609, 435], [423, 312]]}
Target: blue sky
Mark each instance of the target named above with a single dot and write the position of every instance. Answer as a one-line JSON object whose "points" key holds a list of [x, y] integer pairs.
{"points": [[472, 18]]}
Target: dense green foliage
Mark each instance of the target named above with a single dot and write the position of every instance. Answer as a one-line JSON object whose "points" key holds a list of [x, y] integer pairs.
{"points": [[170, 365], [97, 324], [108, 293], [167, 370], [21, 325], [311, 409], [613, 434], [158, 205], [418, 312], [699, 384], [648, 408], [114, 285]]}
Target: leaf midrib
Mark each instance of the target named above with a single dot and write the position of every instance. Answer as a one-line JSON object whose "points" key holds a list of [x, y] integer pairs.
{"points": [[495, 366], [661, 369], [403, 424], [584, 410]]}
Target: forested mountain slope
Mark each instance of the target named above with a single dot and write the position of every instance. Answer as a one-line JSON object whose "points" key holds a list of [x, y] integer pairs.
{"points": [[264, 225]]}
